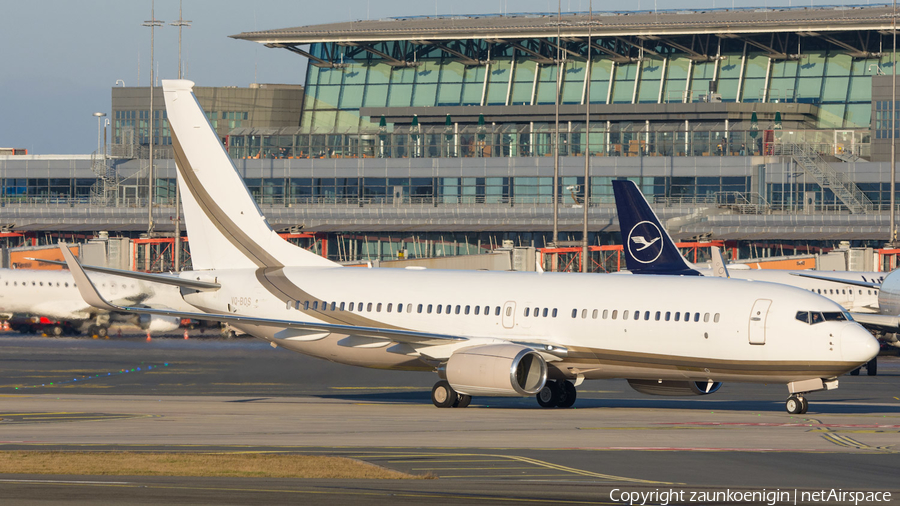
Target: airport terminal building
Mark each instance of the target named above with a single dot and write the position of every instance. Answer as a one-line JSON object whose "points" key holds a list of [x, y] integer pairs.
{"points": [[752, 125]]}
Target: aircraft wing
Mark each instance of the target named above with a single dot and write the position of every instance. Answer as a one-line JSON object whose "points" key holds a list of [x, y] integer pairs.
{"points": [[881, 322], [90, 294], [166, 279], [865, 284]]}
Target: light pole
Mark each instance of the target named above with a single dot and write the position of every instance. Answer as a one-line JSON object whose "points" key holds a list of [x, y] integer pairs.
{"points": [[152, 24], [100, 116], [181, 23]]}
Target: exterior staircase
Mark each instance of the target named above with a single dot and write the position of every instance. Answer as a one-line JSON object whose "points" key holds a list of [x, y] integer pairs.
{"points": [[812, 163]]}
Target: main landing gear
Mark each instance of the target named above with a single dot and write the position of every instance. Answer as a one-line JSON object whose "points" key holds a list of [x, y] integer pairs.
{"points": [[796, 404], [557, 394], [443, 396]]}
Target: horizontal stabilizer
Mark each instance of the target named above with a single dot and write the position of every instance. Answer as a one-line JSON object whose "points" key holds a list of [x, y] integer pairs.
{"points": [[165, 279], [90, 294]]}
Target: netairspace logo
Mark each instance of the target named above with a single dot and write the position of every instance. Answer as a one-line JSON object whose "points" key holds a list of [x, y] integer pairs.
{"points": [[769, 497]]}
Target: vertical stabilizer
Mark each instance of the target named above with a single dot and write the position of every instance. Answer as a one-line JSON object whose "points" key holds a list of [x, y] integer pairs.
{"points": [[227, 229], [647, 246]]}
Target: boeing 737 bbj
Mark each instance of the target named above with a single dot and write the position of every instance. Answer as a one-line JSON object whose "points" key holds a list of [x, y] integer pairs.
{"points": [[488, 333]]}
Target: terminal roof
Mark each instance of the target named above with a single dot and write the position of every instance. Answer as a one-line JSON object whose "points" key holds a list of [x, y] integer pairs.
{"points": [[644, 24]]}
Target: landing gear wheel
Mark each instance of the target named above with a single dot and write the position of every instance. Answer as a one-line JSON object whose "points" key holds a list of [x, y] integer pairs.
{"points": [[92, 331], [567, 400], [548, 397], [805, 405], [855, 372], [794, 405], [872, 367], [56, 330], [102, 331], [462, 401], [443, 395]]}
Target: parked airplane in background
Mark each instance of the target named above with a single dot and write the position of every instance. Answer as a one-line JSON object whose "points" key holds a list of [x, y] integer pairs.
{"points": [[858, 292], [53, 294], [486, 333]]}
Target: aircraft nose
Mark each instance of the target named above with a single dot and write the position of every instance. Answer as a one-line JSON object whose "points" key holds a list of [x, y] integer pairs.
{"points": [[858, 345]]}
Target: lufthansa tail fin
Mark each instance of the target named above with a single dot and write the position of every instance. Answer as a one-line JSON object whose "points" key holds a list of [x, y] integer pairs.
{"points": [[648, 247], [226, 227]]}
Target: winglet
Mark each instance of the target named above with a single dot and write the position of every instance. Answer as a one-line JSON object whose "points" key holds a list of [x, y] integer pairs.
{"points": [[718, 263], [648, 247], [87, 289]]}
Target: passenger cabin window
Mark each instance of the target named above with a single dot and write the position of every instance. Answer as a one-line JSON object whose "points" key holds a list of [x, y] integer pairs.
{"points": [[637, 315], [351, 306], [545, 312], [467, 309], [509, 311], [624, 315], [696, 317], [333, 306], [705, 317], [526, 311], [457, 310], [496, 311], [716, 318], [554, 312], [315, 305], [439, 308], [668, 315], [614, 313], [583, 314], [657, 315], [574, 313], [593, 314], [477, 310], [342, 305], [429, 308], [646, 315], [369, 307], [420, 309]]}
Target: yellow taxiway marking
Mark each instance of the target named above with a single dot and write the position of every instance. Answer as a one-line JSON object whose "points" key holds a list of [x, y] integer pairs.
{"points": [[423, 459]]}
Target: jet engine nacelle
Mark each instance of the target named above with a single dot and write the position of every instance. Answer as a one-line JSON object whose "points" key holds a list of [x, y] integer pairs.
{"points": [[674, 388], [157, 323], [502, 370]]}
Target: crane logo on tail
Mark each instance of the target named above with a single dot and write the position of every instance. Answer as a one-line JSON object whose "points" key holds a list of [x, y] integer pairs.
{"points": [[645, 242]]}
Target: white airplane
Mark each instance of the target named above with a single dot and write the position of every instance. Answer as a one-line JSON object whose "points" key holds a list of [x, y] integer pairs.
{"points": [[53, 294], [487, 333]]}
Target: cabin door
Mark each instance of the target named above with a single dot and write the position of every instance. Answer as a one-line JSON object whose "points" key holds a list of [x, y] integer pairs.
{"points": [[509, 315], [758, 321]]}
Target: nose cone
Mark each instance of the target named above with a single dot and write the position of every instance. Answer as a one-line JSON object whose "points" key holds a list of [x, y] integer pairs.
{"points": [[858, 345]]}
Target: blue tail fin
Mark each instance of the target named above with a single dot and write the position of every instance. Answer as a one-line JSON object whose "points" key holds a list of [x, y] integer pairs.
{"points": [[648, 247]]}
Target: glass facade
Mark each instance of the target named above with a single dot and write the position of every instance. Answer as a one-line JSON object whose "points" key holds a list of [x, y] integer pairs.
{"points": [[825, 75]]}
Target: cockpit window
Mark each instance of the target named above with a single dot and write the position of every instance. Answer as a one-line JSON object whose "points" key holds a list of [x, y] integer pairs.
{"points": [[814, 317], [836, 316]]}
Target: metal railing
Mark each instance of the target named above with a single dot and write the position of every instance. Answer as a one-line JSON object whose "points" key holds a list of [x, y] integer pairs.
{"points": [[809, 158]]}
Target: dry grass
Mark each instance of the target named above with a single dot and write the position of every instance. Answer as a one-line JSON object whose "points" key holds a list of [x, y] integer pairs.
{"points": [[257, 465]]}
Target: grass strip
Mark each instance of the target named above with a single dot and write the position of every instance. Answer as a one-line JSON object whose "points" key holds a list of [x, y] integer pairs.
{"points": [[255, 465]]}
